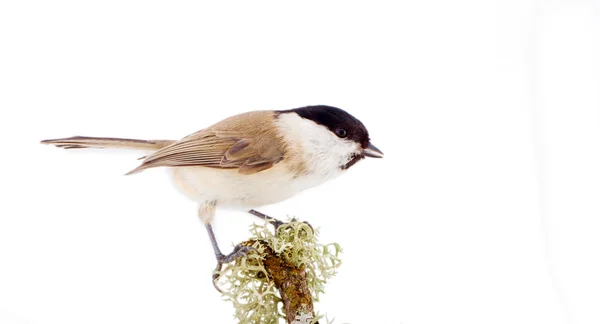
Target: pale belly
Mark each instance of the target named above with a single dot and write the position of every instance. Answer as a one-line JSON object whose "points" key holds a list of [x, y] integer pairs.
{"points": [[228, 188]]}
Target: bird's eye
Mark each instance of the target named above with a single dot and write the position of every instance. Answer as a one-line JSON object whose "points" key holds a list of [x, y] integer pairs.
{"points": [[340, 132]]}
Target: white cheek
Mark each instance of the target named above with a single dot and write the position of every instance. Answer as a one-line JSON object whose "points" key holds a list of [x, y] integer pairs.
{"points": [[323, 152]]}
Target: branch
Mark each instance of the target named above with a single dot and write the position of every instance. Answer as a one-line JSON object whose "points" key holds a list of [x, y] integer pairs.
{"points": [[291, 282], [288, 269]]}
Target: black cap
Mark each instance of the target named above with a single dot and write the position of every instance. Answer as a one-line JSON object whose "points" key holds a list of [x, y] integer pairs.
{"points": [[338, 121]]}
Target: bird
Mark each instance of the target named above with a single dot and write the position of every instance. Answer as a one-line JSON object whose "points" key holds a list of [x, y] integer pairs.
{"points": [[251, 159]]}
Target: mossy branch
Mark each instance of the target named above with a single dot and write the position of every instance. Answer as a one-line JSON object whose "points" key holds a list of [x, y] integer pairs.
{"points": [[281, 278]]}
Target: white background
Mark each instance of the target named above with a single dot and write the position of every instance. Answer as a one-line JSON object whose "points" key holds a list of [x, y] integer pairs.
{"points": [[485, 208]]}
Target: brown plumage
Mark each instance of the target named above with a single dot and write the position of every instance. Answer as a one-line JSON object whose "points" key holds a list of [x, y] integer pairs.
{"points": [[248, 142], [252, 159], [250, 146]]}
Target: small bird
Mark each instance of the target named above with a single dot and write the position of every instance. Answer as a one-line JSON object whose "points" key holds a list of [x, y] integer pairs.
{"points": [[251, 159]]}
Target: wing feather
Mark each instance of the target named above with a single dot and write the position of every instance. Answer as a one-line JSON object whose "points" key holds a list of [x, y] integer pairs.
{"points": [[247, 142]]}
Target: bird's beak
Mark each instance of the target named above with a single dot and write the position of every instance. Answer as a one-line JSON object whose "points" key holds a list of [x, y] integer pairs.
{"points": [[372, 151]]}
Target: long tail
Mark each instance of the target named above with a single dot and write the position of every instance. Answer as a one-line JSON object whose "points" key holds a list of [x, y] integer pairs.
{"points": [[108, 142]]}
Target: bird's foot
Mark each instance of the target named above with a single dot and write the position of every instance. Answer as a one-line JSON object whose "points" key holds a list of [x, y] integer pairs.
{"points": [[239, 251], [268, 218], [276, 222], [295, 220]]}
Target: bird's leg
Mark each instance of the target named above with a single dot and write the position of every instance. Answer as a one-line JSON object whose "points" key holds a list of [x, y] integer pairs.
{"points": [[273, 220], [262, 216], [238, 251], [206, 213]]}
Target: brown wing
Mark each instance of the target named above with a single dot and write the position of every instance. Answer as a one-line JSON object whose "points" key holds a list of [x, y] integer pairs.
{"points": [[248, 142]]}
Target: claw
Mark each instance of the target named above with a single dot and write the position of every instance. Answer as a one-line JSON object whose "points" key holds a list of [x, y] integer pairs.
{"points": [[216, 276], [294, 220], [238, 252]]}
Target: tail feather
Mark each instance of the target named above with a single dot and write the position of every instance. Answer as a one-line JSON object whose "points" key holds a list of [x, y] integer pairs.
{"points": [[108, 142]]}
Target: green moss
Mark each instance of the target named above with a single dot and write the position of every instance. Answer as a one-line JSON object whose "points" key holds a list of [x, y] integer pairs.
{"points": [[245, 282]]}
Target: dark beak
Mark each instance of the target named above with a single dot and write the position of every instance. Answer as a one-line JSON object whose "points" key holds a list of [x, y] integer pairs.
{"points": [[372, 151]]}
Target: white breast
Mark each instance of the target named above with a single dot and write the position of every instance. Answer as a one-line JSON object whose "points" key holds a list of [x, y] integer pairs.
{"points": [[320, 152]]}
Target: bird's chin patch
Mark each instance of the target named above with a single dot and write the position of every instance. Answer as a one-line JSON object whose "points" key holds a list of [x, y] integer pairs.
{"points": [[355, 158]]}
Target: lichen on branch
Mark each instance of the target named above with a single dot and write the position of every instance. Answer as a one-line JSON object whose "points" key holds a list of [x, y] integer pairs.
{"points": [[279, 280]]}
